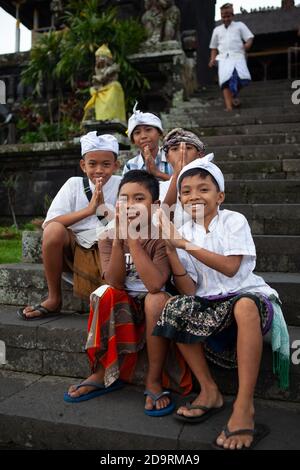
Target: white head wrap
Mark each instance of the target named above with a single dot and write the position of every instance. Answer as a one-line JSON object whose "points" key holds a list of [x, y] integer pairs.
{"points": [[92, 142], [138, 118], [205, 163]]}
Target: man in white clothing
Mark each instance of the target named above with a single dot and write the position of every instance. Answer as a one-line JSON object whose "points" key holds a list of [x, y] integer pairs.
{"points": [[229, 43]]}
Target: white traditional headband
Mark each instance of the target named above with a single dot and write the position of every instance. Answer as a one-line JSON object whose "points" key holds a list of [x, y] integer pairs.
{"points": [[205, 163], [138, 118], [92, 142]]}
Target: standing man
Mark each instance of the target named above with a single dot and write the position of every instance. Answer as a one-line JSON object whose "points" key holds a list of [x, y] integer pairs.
{"points": [[229, 43]]}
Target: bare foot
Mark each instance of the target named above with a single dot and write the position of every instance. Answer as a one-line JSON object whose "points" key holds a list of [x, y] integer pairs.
{"points": [[156, 389], [53, 305], [211, 399], [241, 418], [96, 377]]}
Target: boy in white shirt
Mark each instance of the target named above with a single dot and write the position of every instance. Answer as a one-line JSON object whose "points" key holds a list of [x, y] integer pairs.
{"points": [[145, 130], [228, 45], [76, 217], [224, 309]]}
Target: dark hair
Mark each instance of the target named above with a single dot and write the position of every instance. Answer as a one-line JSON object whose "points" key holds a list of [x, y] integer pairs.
{"points": [[197, 171], [145, 179], [226, 5]]}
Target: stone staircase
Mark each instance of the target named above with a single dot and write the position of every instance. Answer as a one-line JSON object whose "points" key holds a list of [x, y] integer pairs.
{"points": [[258, 149]]}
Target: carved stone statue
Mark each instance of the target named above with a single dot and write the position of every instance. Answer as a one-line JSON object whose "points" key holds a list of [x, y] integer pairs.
{"points": [[107, 97], [152, 20], [171, 26], [162, 21]]}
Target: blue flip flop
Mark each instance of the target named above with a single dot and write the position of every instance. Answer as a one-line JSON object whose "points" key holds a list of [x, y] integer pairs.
{"points": [[100, 390], [163, 411]]}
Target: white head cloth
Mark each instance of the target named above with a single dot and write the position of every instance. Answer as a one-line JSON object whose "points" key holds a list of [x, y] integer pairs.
{"points": [[92, 142], [205, 163], [138, 118]]}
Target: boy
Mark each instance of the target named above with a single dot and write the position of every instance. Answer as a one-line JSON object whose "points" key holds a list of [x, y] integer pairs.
{"points": [[224, 309], [228, 45], [181, 147], [145, 130], [71, 227], [135, 268]]}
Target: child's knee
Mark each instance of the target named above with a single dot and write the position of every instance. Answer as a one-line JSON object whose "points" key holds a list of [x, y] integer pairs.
{"points": [[245, 309], [155, 302], [55, 233]]}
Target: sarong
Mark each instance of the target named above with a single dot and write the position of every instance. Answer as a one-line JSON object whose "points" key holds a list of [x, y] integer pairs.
{"points": [[116, 338], [192, 319]]}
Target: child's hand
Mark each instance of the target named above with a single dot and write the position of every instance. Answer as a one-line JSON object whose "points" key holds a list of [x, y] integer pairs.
{"points": [[182, 161], [149, 161], [121, 222], [169, 232], [97, 198]]}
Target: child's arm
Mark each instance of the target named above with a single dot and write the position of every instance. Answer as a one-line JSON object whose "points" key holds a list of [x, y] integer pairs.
{"points": [[73, 217], [227, 265], [115, 272], [153, 278], [248, 44], [171, 196], [183, 282], [152, 168]]}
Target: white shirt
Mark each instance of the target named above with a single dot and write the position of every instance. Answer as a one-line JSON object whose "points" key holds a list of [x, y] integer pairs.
{"points": [[138, 163], [71, 198], [230, 44], [228, 234]]}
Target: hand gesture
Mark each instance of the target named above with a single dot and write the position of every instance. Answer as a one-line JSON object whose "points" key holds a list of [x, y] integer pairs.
{"points": [[149, 161], [169, 233], [182, 160], [97, 198], [121, 221]]}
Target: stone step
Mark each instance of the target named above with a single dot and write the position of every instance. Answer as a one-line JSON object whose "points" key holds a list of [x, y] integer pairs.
{"points": [[260, 169], [25, 284], [260, 139], [56, 347], [250, 129], [263, 192], [278, 253], [247, 102], [116, 421], [270, 219], [287, 285], [171, 121], [208, 110], [255, 152]]}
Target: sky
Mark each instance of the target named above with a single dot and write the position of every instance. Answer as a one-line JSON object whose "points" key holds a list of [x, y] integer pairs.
{"points": [[8, 23]]}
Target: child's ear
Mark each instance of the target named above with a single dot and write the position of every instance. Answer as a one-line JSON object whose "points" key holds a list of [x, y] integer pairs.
{"points": [[117, 164], [82, 165], [221, 198]]}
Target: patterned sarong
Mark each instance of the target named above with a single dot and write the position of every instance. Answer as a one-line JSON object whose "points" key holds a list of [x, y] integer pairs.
{"points": [[116, 337], [192, 319]]}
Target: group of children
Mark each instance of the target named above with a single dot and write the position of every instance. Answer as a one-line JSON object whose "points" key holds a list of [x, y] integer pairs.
{"points": [[182, 284]]}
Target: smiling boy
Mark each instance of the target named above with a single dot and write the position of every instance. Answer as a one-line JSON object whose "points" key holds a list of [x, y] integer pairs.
{"points": [[72, 226]]}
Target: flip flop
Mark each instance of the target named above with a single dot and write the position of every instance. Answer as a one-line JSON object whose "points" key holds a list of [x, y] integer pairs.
{"points": [[208, 412], [259, 432], [45, 313], [100, 390], [155, 397]]}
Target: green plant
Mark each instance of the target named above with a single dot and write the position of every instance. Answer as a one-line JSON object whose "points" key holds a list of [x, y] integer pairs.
{"points": [[66, 57]]}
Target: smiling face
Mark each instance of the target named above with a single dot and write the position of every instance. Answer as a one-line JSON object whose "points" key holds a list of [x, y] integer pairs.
{"points": [[146, 135], [174, 153], [99, 164], [138, 201], [200, 192]]}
